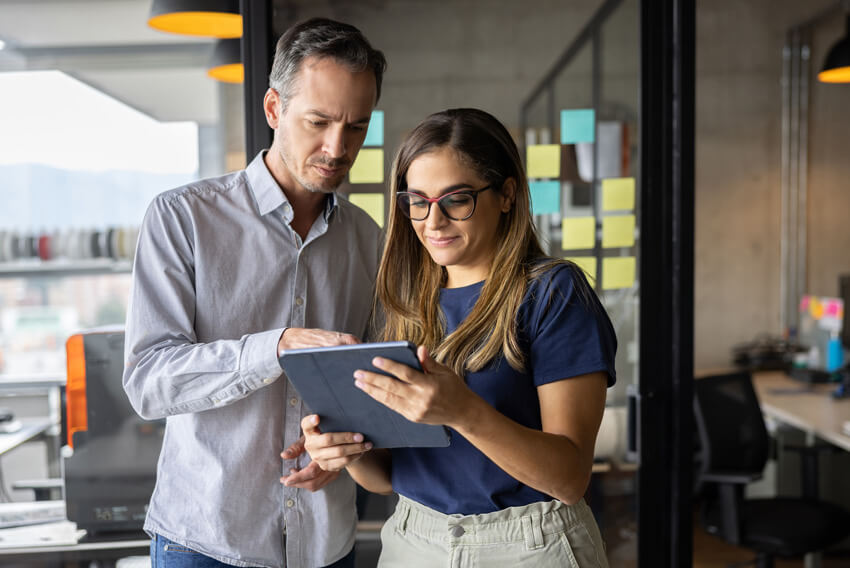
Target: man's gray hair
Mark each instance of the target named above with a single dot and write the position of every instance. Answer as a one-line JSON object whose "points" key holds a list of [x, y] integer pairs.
{"points": [[321, 37]]}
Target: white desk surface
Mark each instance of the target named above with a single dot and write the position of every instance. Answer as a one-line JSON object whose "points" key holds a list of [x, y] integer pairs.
{"points": [[810, 408], [30, 428]]}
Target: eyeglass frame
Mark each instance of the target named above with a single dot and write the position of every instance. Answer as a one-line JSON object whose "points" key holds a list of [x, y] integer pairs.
{"points": [[471, 192]]}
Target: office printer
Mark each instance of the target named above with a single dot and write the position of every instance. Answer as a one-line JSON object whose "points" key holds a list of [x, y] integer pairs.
{"points": [[110, 463]]}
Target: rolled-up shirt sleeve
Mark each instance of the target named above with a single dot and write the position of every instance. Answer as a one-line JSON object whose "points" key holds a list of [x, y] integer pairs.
{"points": [[167, 370]]}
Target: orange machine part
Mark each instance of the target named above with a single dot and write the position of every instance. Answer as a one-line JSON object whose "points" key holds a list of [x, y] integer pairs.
{"points": [[75, 389]]}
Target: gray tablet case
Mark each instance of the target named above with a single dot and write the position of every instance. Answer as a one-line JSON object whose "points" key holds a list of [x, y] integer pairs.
{"points": [[324, 377]]}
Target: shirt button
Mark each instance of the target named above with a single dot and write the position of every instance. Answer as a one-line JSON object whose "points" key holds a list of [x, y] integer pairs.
{"points": [[268, 381], [293, 401], [457, 531], [290, 503], [298, 301]]}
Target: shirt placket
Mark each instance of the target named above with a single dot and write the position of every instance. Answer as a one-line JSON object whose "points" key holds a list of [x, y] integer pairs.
{"points": [[294, 411]]}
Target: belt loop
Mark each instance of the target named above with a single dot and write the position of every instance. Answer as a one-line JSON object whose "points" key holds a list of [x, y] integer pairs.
{"points": [[532, 532], [401, 521]]}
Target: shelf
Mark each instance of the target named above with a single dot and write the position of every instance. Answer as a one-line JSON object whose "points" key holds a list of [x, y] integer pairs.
{"points": [[65, 268]]}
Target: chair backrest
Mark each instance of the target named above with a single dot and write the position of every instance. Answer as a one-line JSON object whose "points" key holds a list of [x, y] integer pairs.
{"points": [[730, 424]]}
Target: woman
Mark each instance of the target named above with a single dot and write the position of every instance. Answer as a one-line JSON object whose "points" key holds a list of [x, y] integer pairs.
{"points": [[516, 351]]}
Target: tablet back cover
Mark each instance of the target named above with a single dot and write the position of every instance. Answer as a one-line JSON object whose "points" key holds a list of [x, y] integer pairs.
{"points": [[324, 379]]}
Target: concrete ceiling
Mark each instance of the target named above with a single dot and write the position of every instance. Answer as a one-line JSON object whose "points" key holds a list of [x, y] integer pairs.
{"points": [[107, 44]]}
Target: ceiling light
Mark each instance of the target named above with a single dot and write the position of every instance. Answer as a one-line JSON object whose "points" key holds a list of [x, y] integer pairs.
{"points": [[209, 18], [836, 68], [226, 63]]}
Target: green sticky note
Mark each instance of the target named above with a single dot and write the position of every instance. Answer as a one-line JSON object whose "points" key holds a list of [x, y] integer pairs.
{"points": [[618, 231], [371, 203], [545, 197], [368, 167], [375, 134], [618, 194], [578, 233], [618, 272], [578, 125], [587, 264], [544, 160]]}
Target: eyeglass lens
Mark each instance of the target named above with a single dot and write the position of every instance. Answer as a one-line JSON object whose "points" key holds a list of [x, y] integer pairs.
{"points": [[456, 206]]}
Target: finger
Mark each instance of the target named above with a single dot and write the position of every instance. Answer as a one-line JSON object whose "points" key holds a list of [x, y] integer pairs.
{"points": [[307, 473], [396, 369], [429, 364], [383, 382], [295, 450], [381, 389], [310, 425]]}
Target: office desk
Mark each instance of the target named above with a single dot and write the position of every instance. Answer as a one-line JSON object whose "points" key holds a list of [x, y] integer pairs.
{"points": [[809, 408]]}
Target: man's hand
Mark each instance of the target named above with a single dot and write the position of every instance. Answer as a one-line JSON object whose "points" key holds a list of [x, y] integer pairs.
{"points": [[300, 338], [311, 477]]}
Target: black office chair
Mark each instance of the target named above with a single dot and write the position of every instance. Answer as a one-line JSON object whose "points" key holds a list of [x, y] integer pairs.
{"points": [[734, 448]]}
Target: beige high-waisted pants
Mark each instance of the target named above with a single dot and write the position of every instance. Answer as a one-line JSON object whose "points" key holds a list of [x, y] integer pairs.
{"points": [[540, 535]]}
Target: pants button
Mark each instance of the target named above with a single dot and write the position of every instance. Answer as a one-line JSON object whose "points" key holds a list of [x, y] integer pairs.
{"points": [[457, 531]]}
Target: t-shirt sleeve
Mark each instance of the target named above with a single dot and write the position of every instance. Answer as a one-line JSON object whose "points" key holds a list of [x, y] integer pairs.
{"points": [[569, 331]]}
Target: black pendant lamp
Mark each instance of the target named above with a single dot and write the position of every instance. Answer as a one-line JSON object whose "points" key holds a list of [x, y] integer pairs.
{"points": [[208, 18], [226, 64], [836, 68]]}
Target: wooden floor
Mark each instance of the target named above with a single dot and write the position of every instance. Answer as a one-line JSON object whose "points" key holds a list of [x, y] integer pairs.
{"points": [[711, 552]]}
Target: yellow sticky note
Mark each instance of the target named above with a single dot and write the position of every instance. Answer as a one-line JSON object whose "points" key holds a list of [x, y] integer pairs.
{"points": [[578, 233], [587, 264], [368, 167], [618, 231], [544, 160], [371, 203], [618, 194], [618, 272]]}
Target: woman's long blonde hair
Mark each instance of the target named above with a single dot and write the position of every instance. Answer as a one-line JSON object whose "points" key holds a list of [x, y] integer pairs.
{"points": [[409, 281]]}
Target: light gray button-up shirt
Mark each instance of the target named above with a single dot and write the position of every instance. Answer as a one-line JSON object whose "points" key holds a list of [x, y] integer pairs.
{"points": [[219, 273]]}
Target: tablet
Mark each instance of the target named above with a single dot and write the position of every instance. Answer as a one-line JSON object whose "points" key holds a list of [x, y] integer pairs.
{"points": [[324, 377]]}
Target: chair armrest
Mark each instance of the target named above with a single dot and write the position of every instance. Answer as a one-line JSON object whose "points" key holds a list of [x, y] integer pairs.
{"points": [[734, 477]]}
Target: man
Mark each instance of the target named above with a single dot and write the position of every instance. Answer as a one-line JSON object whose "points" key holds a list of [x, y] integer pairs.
{"points": [[228, 272]]}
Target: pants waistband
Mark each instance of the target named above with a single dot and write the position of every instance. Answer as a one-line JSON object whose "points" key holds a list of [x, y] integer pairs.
{"points": [[528, 523]]}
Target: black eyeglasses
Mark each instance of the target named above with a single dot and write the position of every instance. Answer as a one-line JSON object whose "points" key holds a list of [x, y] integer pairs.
{"points": [[457, 205]]}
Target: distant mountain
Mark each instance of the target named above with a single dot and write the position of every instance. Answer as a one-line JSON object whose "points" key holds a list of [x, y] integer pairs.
{"points": [[34, 197]]}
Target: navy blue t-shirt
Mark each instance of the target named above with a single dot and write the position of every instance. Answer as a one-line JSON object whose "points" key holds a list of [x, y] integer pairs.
{"points": [[563, 336]]}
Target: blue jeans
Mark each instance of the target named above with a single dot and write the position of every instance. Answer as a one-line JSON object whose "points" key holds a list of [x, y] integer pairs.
{"points": [[169, 554]]}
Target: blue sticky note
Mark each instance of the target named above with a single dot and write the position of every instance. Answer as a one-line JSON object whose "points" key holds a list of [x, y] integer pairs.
{"points": [[375, 134], [545, 197], [578, 125]]}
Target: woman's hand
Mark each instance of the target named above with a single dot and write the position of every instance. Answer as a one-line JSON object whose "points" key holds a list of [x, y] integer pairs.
{"points": [[335, 450], [436, 396]]}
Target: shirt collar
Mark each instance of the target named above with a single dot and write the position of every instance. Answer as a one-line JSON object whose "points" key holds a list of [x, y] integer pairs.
{"points": [[267, 192]]}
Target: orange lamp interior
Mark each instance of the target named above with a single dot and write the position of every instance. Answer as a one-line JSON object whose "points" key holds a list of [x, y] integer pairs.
{"points": [[207, 24]]}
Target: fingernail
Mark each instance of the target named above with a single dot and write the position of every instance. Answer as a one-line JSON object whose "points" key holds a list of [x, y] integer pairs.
{"points": [[358, 437], [358, 374], [358, 384], [314, 420], [368, 445], [378, 362]]}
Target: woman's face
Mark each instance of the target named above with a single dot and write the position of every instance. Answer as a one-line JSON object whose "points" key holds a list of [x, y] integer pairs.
{"points": [[466, 248]]}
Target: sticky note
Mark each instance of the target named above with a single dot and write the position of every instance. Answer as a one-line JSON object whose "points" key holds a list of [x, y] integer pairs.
{"points": [[545, 197], [578, 125], [368, 167], [544, 160], [618, 272], [371, 203], [375, 134], [618, 194], [578, 233], [587, 264], [618, 231]]}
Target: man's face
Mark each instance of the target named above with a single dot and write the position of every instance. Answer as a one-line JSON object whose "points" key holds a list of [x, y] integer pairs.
{"points": [[320, 132]]}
